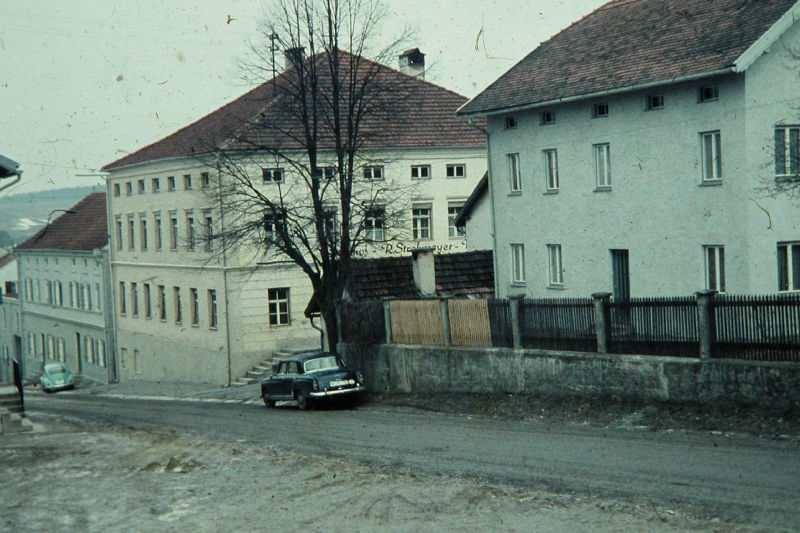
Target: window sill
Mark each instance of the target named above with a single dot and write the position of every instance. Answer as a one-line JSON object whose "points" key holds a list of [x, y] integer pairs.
{"points": [[550, 191], [556, 287], [196, 326], [515, 193], [212, 328], [710, 183], [603, 189], [519, 284]]}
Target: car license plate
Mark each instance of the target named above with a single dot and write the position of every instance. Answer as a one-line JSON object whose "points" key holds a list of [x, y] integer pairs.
{"points": [[340, 383]]}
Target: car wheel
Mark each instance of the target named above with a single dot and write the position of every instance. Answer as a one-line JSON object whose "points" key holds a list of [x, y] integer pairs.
{"points": [[303, 403], [268, 402]]}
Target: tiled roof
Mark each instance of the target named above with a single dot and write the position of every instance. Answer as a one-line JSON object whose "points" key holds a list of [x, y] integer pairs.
{"points": [[84, 229], [466, 210], [403, 111], [6, 259], [631, 42], [458, 274]]}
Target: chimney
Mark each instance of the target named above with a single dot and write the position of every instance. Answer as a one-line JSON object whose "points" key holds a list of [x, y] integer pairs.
{"points": [[293, 56], [424, 270], [412, 62]]}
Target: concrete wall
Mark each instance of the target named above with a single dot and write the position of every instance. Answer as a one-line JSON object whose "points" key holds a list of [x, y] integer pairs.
{"points": [[423, 369]]}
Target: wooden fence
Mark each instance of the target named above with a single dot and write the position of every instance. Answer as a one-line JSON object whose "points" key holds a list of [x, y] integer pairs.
{"points": [[416, 322], [760, 328], [655, 326]]}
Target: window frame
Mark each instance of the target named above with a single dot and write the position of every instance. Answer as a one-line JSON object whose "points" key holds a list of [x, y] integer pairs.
{"points": [[787, 150], [788, 264], [715, 138], [187, 182], [550, 156], [370, 171], [555, 265], [453, 231], [155, 184], [419, 170], [162, 303], [375, 224], [602, 171], [514, 173], [517, 252], [650, 99], [279, 307], [170, 183], [452, 170], [212, 309], [177, 304], [418, 220], [714, 260], [268, 175], [600, 110], [708, 93], [547, 117], [194, 305]]}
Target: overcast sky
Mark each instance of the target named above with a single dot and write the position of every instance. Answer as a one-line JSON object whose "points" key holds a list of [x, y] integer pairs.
{"points": [[84, 82]]}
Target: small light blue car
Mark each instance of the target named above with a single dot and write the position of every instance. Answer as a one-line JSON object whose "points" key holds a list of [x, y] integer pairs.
{"points": [[55, 377]]}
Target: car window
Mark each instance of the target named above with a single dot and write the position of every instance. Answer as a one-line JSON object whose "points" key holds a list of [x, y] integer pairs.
{"points": [[284, 368], [321, 363]]}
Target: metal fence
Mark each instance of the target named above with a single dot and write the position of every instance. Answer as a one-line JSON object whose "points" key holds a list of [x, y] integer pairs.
{"points": [[654, 326], [760, 328], [558, 324]]}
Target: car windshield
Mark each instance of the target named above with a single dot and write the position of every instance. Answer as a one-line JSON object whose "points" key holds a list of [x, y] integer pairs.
{"points": [[55, 369], [321, 363]]}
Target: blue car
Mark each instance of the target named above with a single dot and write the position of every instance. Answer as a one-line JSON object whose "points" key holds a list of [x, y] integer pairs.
{"points": [[55, 377]]}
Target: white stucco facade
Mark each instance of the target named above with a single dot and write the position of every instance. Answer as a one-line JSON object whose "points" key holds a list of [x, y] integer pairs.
{"points": [[664, 206], [233, 328], [9, 317]]}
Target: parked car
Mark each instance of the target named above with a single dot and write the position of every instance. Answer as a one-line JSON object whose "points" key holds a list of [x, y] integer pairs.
{"points": [[312, 377], [55, 377]]}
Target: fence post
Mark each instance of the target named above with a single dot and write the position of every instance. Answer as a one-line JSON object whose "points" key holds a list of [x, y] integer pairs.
{"points": [[387, 320], [602, 320], [445, 322], [706, 324], [514, 303]]}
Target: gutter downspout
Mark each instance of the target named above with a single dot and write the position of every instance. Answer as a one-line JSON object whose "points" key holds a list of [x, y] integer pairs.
{"points": [[224, 272], [108, 280]]}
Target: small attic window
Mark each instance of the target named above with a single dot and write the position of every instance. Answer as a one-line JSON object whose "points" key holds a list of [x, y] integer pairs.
{"points": [[655, 101], [548, 117], [511, 123], [708, 93], [600, 110]]}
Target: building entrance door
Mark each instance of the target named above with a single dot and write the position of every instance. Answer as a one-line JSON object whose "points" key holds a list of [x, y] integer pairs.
{"points": [[621, 275], [78, 352]]}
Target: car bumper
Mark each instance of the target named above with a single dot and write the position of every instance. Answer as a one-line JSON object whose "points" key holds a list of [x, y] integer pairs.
{"points": [[338, 392]]}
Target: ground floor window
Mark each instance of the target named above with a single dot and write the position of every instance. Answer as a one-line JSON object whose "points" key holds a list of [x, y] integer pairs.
{"points": [[556, 266], [789, 266], [278, 306], [715, 267], [518, 263]]}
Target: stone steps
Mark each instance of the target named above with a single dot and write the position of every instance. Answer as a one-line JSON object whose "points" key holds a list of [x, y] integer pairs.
{"points": [[265, 368]]}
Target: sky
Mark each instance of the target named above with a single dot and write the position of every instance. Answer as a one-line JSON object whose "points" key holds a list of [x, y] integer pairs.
{"points": [[85, 82]]}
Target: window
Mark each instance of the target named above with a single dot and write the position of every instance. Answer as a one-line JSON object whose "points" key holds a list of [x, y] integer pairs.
{"points": [[187, 181], [708, 93], [212, 308], [208, 231], [789, 266], [59, 293], [148, 310], [513, 172], [711, 156], [452, 212], [205, 180], [548, 117], [134, 300], [193, 307], [128, 188], [787, 150], [420, 172], [157, 220], [162, 303], [87, 289], [118, 220], [551, 169], [274, 226], [600, 110], [330, 226], [141, 186], [374, 224], [278, 306], [156, 184], [190, 232], [326, 173], [602, 164], [49, 288], [122, 304], [101, 352], [272, 175], [511, 123], [171, 183], [116, 189], [421, 221], [98, 295], [373, 173], [517, 263], [456, 170], [556, 268], [143, 232], [131, 229], [655, 101], [173, 232], [61, 351], [715, 267], [176, 292]]}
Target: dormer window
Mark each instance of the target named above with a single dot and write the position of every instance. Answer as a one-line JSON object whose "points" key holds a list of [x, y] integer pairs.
{"points": [[511, 123], [548, 117], [655, 101], [709, 93], [600, 110]]}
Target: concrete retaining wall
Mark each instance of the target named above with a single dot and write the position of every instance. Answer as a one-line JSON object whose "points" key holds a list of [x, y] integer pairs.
{"points": [[421, 369]]}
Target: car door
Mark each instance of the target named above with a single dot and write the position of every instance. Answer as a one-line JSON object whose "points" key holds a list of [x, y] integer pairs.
{"points": [[275, 386], [292, 373]]}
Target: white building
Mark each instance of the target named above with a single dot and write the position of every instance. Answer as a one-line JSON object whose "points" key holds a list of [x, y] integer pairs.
{"points": [[191, 309], [9, 315], [630, 153], [63, 296]]}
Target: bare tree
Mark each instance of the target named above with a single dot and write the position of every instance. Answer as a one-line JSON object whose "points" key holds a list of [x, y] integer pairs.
{"points": [[297, 171]]}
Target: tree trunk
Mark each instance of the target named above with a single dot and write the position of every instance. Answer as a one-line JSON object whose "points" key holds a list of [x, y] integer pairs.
{"points": [[331, 331]]}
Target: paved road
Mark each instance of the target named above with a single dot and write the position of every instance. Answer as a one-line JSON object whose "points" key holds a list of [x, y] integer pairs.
{"points": [[737, 478]]}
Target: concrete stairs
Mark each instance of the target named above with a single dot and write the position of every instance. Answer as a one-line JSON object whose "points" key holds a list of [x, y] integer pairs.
{"points": [[11, 420], [265, 368]]}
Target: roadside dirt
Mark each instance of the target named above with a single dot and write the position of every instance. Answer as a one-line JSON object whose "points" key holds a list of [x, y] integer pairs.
{"points": [[75, 478], [778, 422]]}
